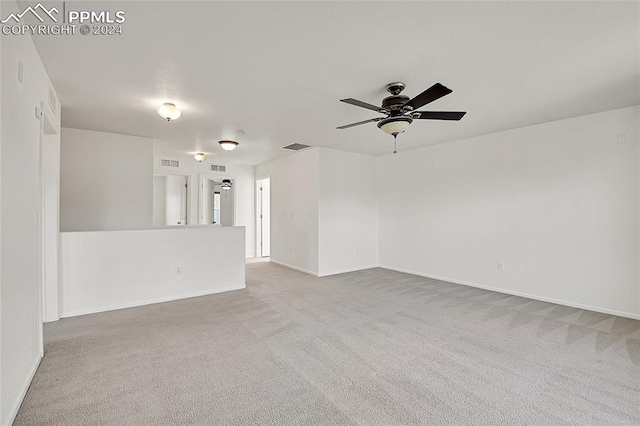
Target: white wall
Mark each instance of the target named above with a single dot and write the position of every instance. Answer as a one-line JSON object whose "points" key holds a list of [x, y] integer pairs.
{"points": [[556, 203], [111, 270], [20, 201], [294, 209], [51, 216], [226, 205], [244, 191], [175, 202], [348, 212], [159, 201], [323, 211], [106, 181]]}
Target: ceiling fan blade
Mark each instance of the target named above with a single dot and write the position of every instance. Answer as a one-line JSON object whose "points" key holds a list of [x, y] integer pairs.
{"points": [[438, 115], [346, 126], [361, 104], [431, 94]]}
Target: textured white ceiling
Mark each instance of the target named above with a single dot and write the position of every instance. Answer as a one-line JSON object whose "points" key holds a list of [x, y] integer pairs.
{"points": [[278, 69]]}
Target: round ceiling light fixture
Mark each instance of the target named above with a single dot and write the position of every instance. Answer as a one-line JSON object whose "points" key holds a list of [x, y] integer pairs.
{"points": [[169, 111], [200, 157], [228, 145], [226, 185], [395, 125]]}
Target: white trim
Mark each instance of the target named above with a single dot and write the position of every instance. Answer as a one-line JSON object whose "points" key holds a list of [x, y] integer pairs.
{"points": [[186, 174], [25, 388], [286, 265], [344, 271], [518, 293], [257, 202], [150, 301]]}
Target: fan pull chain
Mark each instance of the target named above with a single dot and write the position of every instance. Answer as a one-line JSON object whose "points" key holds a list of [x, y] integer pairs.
{"points": [[395, 143]]}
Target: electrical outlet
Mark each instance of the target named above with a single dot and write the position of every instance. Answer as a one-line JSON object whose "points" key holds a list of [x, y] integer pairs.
{"points": [[500, 266], [178, 270]]}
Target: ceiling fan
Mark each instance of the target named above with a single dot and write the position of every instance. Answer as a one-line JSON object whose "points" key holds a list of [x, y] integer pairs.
{"points": [[400, 109]]}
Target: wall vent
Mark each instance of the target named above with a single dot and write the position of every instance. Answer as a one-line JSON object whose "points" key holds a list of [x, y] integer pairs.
{"points": [[170, 163], [296, 146], [217, 168]]}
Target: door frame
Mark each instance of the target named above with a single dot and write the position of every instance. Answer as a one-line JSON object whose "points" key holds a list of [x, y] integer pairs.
{"points": [[258, 211], [188, 191], [217, 176], [49, 241]]}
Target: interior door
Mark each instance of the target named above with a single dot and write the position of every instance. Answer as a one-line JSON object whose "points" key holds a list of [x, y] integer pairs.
{"points": [[183, 201], [206, 214], [176, 200], [264, 219]]}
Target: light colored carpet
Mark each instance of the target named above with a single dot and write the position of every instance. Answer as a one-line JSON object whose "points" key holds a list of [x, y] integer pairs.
{"points": [[369, 347]]}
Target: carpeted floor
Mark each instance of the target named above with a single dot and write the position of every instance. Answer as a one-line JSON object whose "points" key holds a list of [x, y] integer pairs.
{"points": [[369, 347]]}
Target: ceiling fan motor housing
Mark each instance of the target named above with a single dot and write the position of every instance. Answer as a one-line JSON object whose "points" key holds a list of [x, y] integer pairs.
{"points": [[395, 103]]}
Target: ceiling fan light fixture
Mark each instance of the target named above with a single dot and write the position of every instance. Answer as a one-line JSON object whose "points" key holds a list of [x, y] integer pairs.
{"points": [[169, 111], [228, 145], [200, 157], [226, 185], [395, 125]]}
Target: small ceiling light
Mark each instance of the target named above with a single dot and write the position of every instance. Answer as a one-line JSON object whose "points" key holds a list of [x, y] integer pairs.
{"points": [[395, 125], [228, 145], [169, 111], [226, 185], [200, 157]]}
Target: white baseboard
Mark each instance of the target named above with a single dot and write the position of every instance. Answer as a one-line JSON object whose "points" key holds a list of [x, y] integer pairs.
{"points": [[324, 274], [344, 271], [286, 265], [149, 301], [518, 293], [23, 392], [472, 284]]}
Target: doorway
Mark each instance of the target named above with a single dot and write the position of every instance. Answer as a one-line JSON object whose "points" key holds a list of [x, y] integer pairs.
{"points": [[263, 217], [217, 200], [170, 200]]}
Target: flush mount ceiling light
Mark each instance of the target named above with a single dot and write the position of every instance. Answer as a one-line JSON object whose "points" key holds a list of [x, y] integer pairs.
{"points": [[200, 157], [228, 145], [169, 111], [226, 185]]}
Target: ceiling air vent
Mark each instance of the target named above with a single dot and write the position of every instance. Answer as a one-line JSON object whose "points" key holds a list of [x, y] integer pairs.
{"points": [[217, 168], [170, 163], [296, 146]]}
